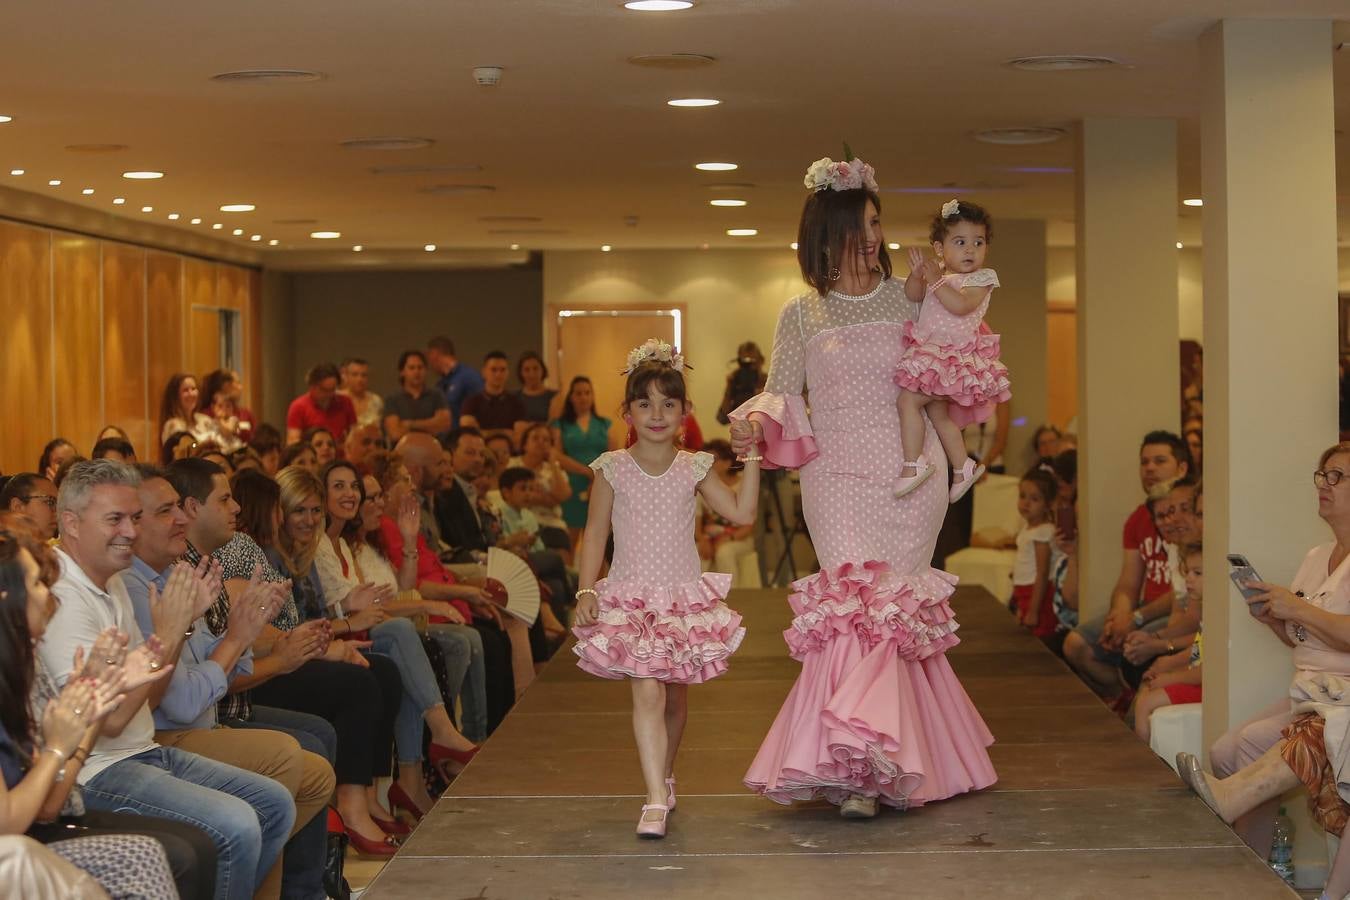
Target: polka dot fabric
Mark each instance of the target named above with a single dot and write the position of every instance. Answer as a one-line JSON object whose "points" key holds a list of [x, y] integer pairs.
{"points": [[659, 616], [877, 709]]}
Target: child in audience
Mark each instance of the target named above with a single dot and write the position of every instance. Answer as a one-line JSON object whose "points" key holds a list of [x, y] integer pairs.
{"points": [[1032, 600], [520, 527], [1174, 678], [655, 619], [950, 364]]}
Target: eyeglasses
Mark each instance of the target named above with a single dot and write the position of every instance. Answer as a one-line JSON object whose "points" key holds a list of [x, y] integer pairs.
{"points": [[46, 499], [1327, 477]]}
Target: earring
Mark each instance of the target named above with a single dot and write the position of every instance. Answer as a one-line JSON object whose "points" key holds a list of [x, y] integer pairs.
{"points": [[834, 274]]}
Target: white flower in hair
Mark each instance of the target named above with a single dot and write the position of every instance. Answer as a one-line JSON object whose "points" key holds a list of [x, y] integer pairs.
{"points": [[850, 174], [951, 208], [654, 349]]}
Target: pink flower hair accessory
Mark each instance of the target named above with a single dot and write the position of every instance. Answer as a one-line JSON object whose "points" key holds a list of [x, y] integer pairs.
{"points": [[653, 349], [850, 174]]}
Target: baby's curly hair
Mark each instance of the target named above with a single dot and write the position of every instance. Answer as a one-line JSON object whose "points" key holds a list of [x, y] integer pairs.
{"points": [[965, 212]]}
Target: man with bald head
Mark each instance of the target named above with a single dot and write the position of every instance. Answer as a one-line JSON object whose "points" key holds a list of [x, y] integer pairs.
{"points": [[360, 442]]}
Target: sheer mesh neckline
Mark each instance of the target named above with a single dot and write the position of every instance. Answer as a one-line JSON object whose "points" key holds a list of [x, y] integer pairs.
{"points": [[867, 296]]}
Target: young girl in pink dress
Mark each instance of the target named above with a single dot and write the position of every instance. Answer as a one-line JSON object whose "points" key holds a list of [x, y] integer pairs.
{"points": [[656, 620], [950, 365]]}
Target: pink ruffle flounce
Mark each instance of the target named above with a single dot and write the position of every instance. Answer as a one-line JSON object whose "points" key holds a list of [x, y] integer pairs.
{"points": [[970, 376], [674, 633], [789, 442], [877, 709], [875, 604]]}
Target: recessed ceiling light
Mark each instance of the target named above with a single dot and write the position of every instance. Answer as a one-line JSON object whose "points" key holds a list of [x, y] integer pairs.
{"points": [[55, 182], [658, 5], [173, 217], [217, 226], [1180, 245], [255, 237], [693, 102], [1193, 201], [387, 143], [742, 232], [793, 245], [118, 201], [87, 191], [716, 167], [358, 248], [605, 248], [325, 235], [673, 60], [238, 207], [143, 175], [515, 246], [1061, 63], [16, 171], [892, 246], [430, 248], [273, 242], [237, 232], [1030, 134], [4, 119], [726, 202], [147, 209], [256, 76], [196, 221]]}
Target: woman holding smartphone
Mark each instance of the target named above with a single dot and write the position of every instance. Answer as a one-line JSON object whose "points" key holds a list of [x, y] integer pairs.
{"points": [[1281, 747]]}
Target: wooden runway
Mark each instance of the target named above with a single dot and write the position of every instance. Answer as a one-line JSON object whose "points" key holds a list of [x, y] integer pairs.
{"points": [[1082, 808]]}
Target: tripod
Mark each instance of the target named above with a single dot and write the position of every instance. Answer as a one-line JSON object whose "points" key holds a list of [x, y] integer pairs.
{"points": [[785, 569]]}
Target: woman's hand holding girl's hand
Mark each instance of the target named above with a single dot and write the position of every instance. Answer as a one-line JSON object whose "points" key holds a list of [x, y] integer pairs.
{"points": [[409, 518], [743, 437]]}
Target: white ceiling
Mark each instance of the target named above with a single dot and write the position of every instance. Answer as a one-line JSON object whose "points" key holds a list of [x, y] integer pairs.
{"points": [[575, 135]]}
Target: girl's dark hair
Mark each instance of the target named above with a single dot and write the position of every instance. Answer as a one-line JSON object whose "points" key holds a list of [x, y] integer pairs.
{"points": [[831, 223], [169, 407], [352, 530], [166, 450], [17, 660], [51, 447], [212, 384], [965, 212], [258, 497], [1044, 482], [528, 355], [292, 452], [569, 412], [654, 373]]}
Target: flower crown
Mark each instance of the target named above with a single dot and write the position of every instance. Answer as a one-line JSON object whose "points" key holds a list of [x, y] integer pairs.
{"points": [[951, 208], [653, 349], [848, 175]]}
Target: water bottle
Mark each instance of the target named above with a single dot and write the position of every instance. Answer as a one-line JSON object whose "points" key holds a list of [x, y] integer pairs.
{"points": [[1282, 848]]}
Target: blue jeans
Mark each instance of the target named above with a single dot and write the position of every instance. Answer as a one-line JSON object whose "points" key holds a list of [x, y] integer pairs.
{"points": [[307, 850], [248, 816], [463, 649], [398, 640]]}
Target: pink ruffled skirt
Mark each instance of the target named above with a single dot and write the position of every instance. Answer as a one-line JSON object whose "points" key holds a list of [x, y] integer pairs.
{"points": [[877, 709], [969, 376], [682, 634]]}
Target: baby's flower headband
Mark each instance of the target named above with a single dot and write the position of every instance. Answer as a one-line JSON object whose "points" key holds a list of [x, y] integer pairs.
{"points": [[657, 350], [951, 208], [849, 175]]}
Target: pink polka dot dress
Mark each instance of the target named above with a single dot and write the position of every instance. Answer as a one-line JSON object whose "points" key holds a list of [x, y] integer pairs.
{"points": [[877, 709], [953, 357], [659, 616]]}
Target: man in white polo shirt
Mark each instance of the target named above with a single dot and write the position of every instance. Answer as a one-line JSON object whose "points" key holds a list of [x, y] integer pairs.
{"points": [[248, 815]]}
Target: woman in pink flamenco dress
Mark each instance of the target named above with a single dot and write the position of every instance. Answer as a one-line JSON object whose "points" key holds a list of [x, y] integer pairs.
{"points": [[877, 714]]}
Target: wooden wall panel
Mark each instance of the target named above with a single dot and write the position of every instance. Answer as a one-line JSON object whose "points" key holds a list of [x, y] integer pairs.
{"points": [[204, 341], [253, 352], [126, 390], [231, 287], [199, 290], [25, 342], [77, 307], [165, 327], [1061, 347]]}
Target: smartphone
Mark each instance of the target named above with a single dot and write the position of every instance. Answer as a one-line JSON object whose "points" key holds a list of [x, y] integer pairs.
{"points": [[1243, 574], [1066, 523]]}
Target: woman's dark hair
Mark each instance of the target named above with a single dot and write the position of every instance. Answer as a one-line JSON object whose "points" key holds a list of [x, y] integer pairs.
{"points": [[166, 449], [1044, 482], [258, 497], [831, 223], [965, 212], [654, 373], [292, 452], [352, 530], [1036, 435], [17, 661], [52, 446], [525, 357], [114, 444], [213, 383], [66, 466], [1065, 465], [569, 412], [169, 407], [525, 436], [403, 361], [720, 449], [308, 435]]}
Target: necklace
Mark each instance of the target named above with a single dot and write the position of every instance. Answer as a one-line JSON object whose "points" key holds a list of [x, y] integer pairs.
{"points": [[867, 296]]}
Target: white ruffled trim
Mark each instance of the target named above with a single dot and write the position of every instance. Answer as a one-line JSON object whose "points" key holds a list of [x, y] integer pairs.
{"points": [[981, 278], [606, 464], [702, 463]]}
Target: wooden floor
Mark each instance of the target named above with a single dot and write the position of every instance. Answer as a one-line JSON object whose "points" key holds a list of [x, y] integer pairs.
{"points": [[1081, 809]]}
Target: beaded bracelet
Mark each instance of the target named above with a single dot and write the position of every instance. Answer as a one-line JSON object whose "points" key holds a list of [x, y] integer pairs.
{"points": [[590, 591], [756, 458]]}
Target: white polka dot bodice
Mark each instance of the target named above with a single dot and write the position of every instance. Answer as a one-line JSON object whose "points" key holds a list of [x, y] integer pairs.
{"points": [[653, 517]]}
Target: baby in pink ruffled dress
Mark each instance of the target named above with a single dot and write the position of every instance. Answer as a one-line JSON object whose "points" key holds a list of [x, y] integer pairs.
{"points": [[950, 364], [656, 619]]}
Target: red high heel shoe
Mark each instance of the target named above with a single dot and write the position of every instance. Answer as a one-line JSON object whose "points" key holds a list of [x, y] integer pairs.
{"points": [[403, 806], [391, 826], [442, 755]]}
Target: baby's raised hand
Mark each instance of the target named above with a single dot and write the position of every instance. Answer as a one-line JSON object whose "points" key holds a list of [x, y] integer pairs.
{"points": [[916, 261]]}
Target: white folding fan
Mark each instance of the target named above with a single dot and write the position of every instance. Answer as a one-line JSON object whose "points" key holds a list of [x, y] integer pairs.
{"points": [[516, 589]]}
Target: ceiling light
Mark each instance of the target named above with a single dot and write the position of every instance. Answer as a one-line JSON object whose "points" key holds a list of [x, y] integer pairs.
{"points": [[173, 217], [605, 248], [55, 182], [273, 242], [325, 235], [238, 207], [256, 76], [143, 176], [742, 232], [1180, 245], [515, 246], [16, 171], [237, 232], [196, 221], [1193, 201], [793, 245], [892, 246], [726, 202], [693, 102], [387, 143], [255, 237], [716, 167], [147, 209], [1030, 134], [1061, 63], [658, 5], [118, 201], [217, 226], [4, 119], [673, 60], [358, 248], [430, 248], [87, 191]]}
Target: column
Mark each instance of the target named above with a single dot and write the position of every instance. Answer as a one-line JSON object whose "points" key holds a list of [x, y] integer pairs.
{"points": [[1128, 370], [1018, 314]]}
